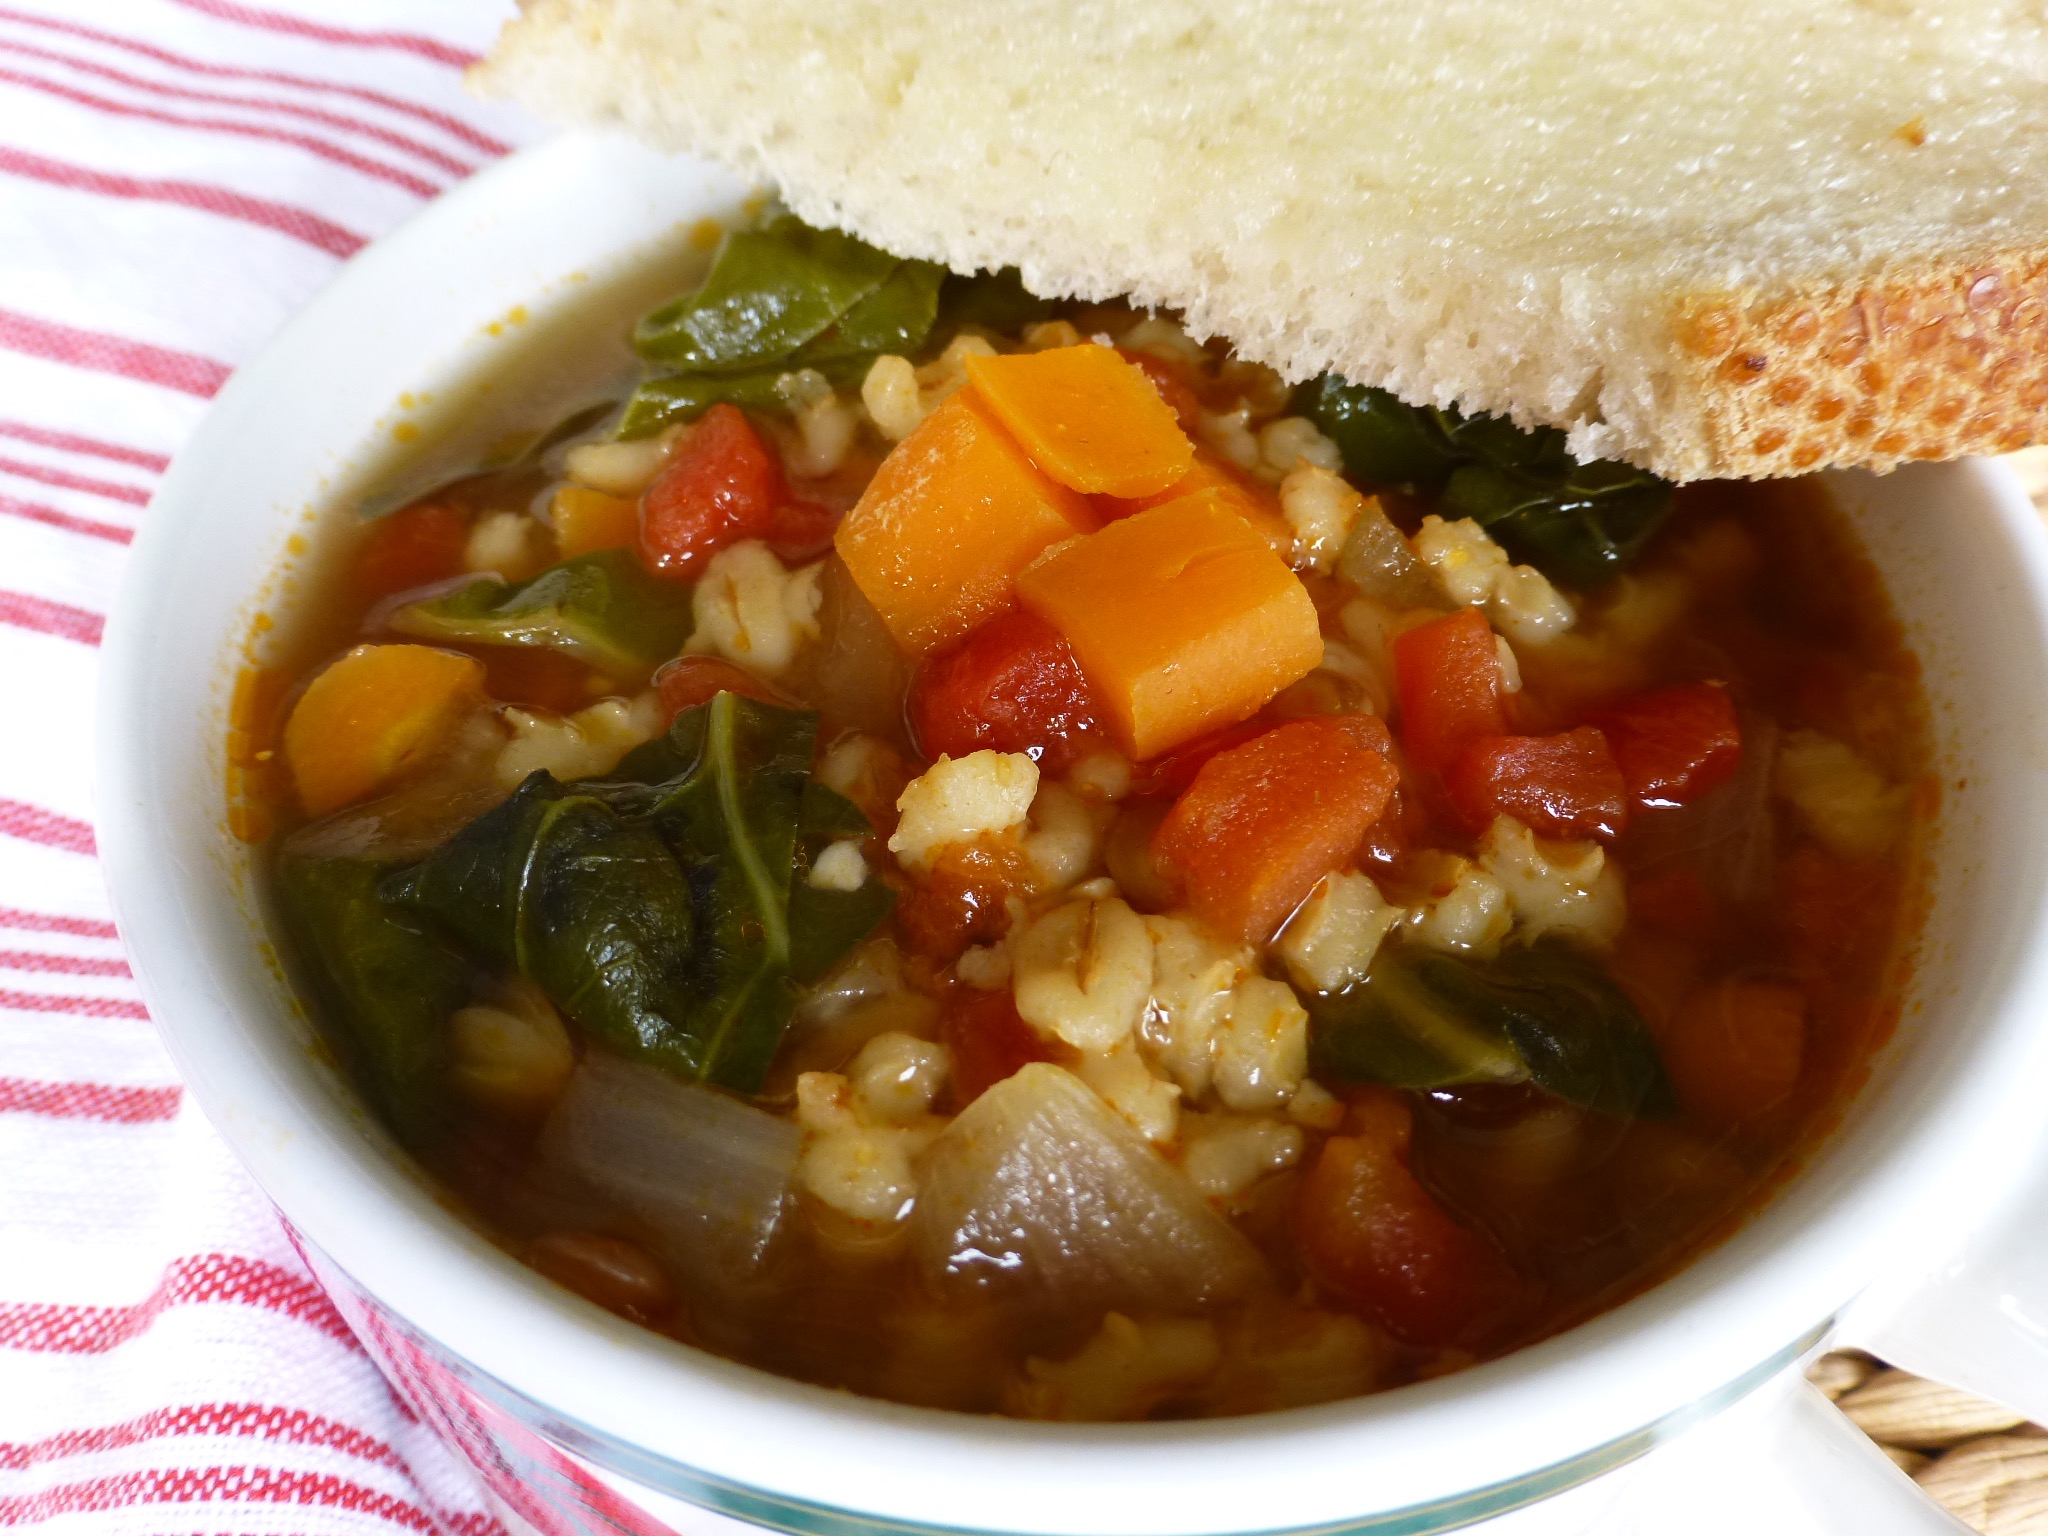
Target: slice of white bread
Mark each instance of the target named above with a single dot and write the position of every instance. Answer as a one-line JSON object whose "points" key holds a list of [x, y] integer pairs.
{"points": [[1712, 237]]}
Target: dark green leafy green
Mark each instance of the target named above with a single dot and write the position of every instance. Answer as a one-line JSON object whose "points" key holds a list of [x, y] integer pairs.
{"points": [[825, 924], [383, 980], [602, 608], [770, 290], [1579, 523], [590, 906], [778, 299], [994, 301], [662, 402], [653, 907], [1548, 1014]]}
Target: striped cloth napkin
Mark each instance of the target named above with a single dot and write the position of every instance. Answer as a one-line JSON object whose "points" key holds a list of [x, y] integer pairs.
{"points": [[176, 177]]}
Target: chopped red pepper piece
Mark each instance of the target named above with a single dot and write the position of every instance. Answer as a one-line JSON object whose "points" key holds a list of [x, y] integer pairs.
{"points": [[1262, 823], [721, 485], [1558, 786], [1676, 744], [1374, 1238], [802, 531], [1447, 675]]}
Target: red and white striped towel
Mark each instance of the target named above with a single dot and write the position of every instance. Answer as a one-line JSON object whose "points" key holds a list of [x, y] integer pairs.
{"points": [[176, 177]]}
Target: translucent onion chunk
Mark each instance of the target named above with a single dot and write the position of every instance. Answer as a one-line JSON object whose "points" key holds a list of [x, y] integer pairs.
{"points": [[1039, 1193], [708, 1176]]}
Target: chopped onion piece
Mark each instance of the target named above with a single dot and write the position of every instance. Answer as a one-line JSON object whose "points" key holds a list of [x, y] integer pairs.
{"points": [[1378, 561], [707, 1175], [1040, 1193]]}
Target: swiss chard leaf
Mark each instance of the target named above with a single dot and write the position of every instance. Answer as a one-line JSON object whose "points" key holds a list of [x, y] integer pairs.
{"points": [[1579, 523], [385, 982], [1548, 1014], [779, 298], [602, 608], [770, 290], [995, 301], [590, 906], [825, 924], [662, 402]]}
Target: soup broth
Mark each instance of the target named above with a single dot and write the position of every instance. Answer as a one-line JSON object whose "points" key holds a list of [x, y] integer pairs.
{"points": [[985, 853]]}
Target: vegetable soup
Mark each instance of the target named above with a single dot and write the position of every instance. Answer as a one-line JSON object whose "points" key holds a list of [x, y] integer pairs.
{"points": [[983, 852]]}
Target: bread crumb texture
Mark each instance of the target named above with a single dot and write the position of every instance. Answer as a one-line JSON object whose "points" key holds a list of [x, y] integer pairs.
{"points": [[1719, 237]]}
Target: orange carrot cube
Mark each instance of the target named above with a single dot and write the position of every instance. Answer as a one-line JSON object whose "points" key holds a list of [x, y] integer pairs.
{"points": [[1262, 823], [1088, 417], [1182, 617], [587, 520], [949, 519], [1257, 504], [372, 716]]}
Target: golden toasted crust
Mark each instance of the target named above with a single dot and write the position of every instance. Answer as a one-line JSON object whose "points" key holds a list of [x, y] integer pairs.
{"points": [[1926, 362]]}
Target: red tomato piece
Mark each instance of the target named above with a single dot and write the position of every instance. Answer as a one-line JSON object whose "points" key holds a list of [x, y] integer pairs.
{"points": [[544, 679], [1676, 744], [988, 1042], [1262, 823], [409, 548], [1447, 676], [802, 531], [688, 681], [1171, 773], [721, 485], [1374, 1238], [1558, 786], [1012, 685]]}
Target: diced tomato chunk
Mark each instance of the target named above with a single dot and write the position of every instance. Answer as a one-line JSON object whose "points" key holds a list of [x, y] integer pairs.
{"points": [[544, 679], [1559, 786], [964, 897], [1676, 744], [409, 548], [987, 1042], [1374, 1238], [721, 485], [1262, 823], [1447, 676], [688, 681], [802, 531], [1012, 685], [1172, 772]]}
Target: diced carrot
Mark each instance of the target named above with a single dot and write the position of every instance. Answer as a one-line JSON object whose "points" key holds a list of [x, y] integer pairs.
{"points": [[587, 520], [721, 485], [1257, 504], [1676, 744], [1011, 686], [1447, 676], [987, 1042], [1735, 1049], [409, 548], [1262, 823], [1088, 417], [371, 716], [1182, 618], [688, 681], [1559, 786], [1375, 1239], [947, 522]]}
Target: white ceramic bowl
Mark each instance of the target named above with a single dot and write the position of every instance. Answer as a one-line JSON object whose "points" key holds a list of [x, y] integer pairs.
{"points": [[497, 1355]]}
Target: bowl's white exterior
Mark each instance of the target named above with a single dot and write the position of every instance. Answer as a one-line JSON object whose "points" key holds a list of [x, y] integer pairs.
{"points": [[1968, 566]]}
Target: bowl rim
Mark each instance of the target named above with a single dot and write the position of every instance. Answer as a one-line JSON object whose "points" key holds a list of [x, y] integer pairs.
{"points": [[1680, 1341]]}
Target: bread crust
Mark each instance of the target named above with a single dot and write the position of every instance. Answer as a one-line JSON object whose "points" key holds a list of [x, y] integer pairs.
{"points": [[1927, 362]]}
